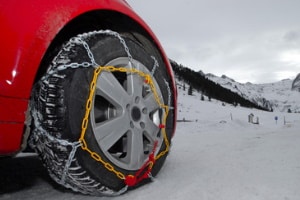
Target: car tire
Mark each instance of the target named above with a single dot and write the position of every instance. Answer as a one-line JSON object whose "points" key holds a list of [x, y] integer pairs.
{"points": [[128, 119]]}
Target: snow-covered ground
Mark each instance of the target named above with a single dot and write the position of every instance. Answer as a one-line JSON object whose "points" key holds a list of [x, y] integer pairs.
{"points": [[216, 155]]}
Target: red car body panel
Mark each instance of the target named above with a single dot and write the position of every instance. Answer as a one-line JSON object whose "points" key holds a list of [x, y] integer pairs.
{"points": [[27, 29]]}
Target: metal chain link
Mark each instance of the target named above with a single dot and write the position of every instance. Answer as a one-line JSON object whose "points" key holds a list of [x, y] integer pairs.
{"points": [[155, 66], [80, 39], [169, 94], [89, 52], [111, 33], [75, 146]]}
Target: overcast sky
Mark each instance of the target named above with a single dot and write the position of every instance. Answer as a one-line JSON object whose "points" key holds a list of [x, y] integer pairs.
{"points": [[248, 40]]}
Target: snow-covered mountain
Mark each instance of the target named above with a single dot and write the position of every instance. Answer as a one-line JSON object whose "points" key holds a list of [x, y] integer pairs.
{"points": [[283, 96]]}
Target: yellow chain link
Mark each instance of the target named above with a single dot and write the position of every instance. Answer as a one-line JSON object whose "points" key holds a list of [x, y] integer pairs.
{"points": [[84, 124]]}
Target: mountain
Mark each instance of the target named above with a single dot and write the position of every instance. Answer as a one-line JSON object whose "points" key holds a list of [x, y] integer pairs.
{"points": [[274, 96], [282, 96]]}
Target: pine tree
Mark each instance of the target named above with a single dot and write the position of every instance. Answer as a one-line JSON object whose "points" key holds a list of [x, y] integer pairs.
{"points": [[190, 91], [202, 97]]}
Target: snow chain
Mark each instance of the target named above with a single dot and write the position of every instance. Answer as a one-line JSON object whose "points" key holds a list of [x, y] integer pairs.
{"points": [[130, 180], [148, 80]]}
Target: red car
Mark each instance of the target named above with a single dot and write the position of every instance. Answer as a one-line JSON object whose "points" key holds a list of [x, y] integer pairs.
{"points": [[87, 85]]}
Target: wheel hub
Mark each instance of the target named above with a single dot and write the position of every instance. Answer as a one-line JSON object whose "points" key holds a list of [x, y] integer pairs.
{"points": [[136, 114]]}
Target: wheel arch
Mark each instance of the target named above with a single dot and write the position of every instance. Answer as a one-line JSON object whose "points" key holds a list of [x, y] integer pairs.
{"points": [[97, 20]]}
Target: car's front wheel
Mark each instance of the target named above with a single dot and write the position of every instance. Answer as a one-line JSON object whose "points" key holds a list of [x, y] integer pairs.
{"points": [[103, 114]]}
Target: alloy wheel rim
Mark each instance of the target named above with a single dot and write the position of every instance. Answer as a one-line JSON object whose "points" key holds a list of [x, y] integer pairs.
{"points": [[125, 115]]}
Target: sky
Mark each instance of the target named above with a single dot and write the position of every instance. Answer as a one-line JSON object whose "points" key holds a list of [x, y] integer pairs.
{"points": [[254, 41]]}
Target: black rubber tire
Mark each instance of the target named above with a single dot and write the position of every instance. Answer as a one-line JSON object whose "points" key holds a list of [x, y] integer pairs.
{"points": [[60, 105]]}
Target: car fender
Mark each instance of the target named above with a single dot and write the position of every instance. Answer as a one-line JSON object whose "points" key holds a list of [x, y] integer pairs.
{"points": [[29, 29]]}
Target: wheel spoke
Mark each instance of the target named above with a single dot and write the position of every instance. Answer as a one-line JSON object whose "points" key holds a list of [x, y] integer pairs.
{"points": [[135, 148], [111, 89], [152, 129], [109, 132], [134, 84], [150, 102]]}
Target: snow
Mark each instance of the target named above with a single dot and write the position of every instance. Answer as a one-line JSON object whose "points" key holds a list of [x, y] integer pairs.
{"points": [[216, 155]]}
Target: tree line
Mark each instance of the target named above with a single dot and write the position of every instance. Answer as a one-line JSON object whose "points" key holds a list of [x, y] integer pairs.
{"points": [[198, 81]]}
